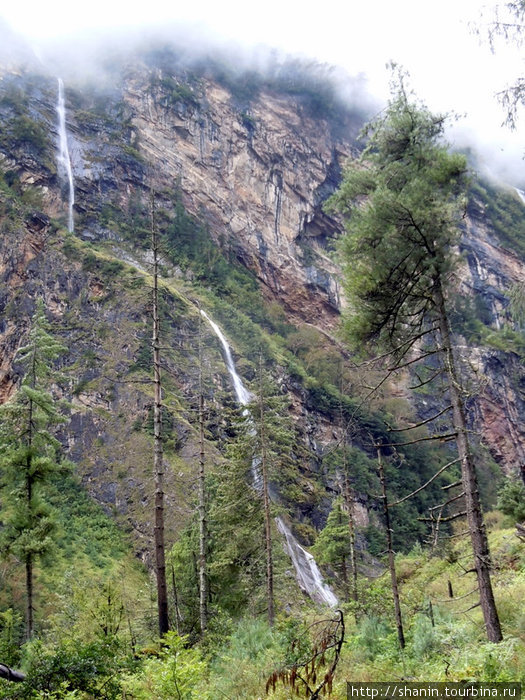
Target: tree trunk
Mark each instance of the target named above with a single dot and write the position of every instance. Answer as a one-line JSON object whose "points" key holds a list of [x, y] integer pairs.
{"points": [[266, 502], [29, 593], [347, 494], [351, 528], [9, 674], [29, 556], [391, 559], [475, 522], [203, 582], [160, 563]]}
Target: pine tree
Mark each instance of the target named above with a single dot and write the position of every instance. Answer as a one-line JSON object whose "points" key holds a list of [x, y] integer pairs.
{"points": [[401, 201], [333, 545], [241, 514], [29, 456]]}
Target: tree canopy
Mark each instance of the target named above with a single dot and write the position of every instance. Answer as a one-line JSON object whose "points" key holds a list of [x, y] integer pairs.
{"points": [[401, 201]]}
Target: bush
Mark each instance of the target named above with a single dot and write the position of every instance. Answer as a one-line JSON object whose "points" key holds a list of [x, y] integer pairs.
{"points": [[511, 500], [175, 673], [90, 668]]}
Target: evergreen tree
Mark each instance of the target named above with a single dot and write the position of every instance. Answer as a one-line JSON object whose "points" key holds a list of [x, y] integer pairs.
{"points": [[259, 462], [236, 568], [333, 545], [28, 457], [401, 201]]}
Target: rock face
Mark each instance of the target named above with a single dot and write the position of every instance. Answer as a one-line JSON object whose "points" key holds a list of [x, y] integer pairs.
{"points": [[489, 273], [256, 172], [258, 176]]}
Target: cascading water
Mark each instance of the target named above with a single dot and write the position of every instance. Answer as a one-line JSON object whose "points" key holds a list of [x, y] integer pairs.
{"points": [[243, 395], [307, 572], [64, 161], [521, 194]]}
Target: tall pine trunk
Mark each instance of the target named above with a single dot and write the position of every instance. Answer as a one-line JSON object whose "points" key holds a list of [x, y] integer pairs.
{"points": [[476, 526], [29, 560], [391, 558], [158, 466], [203, 581], [266, 501]]}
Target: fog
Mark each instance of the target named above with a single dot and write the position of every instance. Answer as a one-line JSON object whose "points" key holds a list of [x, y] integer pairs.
{"points": [[450, 68]]}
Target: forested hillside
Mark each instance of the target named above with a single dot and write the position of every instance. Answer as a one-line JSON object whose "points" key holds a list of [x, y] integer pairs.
{"points": [[194, 435]]}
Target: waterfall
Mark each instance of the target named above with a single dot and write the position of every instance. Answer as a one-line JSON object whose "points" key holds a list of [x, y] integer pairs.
{"points": [[308, 575], [521, 194], [241, 392], [64, 161], [306, 570]]}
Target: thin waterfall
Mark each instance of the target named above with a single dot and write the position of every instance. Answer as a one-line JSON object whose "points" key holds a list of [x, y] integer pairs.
{"points": [[306, 570], [243, 395], [64, 161], [308, 575], [521, 194]]}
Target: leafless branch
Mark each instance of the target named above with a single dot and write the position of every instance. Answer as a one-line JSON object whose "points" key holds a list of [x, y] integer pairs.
{"points": [[405, 498], [418, 425]]}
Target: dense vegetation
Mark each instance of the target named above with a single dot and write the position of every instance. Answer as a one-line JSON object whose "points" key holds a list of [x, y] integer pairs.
{"points": [[94, 630]]}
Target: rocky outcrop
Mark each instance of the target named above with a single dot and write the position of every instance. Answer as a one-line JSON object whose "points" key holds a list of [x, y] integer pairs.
{"points": [[257, 174], [257, 177]]}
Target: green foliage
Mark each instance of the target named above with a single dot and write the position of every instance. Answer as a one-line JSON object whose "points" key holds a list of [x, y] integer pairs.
{"points": [[26, 132], [11, 633], [372, 633], [175, 91], [504, 211], [175, 673], [243, 661], [236, 566], [28, 460], [332, 546], [517, 305], [107, 269], [401, 203], [424, 638], [511, 499], [21, 130], [90, 668]]}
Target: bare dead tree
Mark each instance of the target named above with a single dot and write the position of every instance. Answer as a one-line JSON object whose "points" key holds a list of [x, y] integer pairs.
{"points": [[391, 554], [314, 675], [158, 461], [203, 529]]}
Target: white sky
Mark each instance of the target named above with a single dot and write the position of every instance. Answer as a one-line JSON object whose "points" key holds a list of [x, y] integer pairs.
{"points": [[450, 70]]}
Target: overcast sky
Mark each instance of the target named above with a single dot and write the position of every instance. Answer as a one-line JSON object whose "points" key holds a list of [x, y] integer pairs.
{"points": [[451, 70]]}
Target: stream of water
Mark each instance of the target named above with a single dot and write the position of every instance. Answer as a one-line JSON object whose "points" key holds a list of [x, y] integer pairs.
{"points": [[521, 194], [307, 572], [64, 161]]}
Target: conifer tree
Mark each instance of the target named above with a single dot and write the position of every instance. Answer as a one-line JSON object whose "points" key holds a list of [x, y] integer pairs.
{"points": [[333, 545], [241, 514], [402, 201], [28, 457]]}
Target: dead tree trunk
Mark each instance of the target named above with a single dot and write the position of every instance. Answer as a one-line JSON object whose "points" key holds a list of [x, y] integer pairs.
{"points": [[391, 559], [266, 500], [474, 513], [9, 674], [158, 466], [203, 579], [351, 528]]}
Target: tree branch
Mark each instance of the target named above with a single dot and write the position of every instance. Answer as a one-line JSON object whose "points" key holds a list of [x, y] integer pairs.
{"points": [[418, 425], [9, 674], [405, 498]]}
